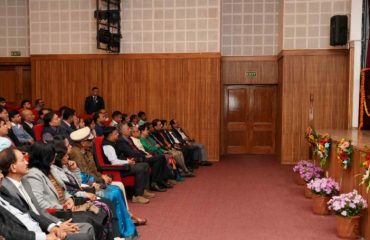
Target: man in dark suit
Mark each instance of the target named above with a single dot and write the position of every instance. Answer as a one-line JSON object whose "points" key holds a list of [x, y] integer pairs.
{"points": [[20, 217], [27, 122], [94, 102], [200, 153], [67, 124]]}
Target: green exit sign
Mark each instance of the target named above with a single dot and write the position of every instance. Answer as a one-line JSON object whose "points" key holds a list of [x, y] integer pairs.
{"points": [[15, 53], [251, 74]]}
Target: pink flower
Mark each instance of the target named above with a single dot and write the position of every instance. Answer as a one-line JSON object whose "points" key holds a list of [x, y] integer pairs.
{"points": [[344, 145]]}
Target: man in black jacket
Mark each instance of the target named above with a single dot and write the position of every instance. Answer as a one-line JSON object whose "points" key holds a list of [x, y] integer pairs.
{"points": [[67, 124], [27, 122], [94, 102]]}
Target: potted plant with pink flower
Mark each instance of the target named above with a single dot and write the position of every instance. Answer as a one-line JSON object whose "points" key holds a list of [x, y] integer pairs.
{"points": [[348, 208], [307, 171], [323, 189], [300, 168]]}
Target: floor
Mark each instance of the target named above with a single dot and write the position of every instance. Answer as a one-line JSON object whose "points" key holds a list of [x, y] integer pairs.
{"points": [[241, 197]]}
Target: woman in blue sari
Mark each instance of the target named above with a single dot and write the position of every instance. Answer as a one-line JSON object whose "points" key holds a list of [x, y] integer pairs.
{"points": [[114, 194]]}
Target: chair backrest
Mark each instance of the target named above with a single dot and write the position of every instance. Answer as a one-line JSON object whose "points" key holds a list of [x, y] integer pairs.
{"points": [[107, 122], [38, 131], [98, 154], [85, 116]]}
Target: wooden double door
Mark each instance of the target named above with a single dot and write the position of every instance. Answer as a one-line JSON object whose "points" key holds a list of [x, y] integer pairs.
{"points": [[15, 83], [249, 117]]}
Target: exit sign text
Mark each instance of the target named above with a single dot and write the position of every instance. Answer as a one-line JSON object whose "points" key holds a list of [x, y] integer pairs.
{"points": [[251, 74], [15, 53]]}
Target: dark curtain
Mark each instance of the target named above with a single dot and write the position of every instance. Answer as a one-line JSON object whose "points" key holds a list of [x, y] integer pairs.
{"points": [[365, 63], [365, 60]]}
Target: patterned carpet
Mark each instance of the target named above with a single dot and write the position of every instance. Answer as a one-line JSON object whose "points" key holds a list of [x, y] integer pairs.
{"points": [[242, 197]]}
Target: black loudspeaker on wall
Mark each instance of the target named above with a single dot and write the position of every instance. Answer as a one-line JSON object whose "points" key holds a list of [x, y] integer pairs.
{"points": [[338, 30]]}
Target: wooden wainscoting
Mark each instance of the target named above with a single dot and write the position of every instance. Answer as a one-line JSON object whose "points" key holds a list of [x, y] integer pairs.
{"points": [[234, 70], [249, 105], [15, 79], [310, 80], [181, 86]]}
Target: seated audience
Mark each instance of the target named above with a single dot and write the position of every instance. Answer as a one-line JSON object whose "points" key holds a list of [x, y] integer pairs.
{"points": [[90, 124], [99, 120], [142, 118], [67, 124], [25, 104], [138, 169], [116, 118], [82, 155], [160, 137], [187, 151], [42, 114], [160, 170], [2, 102], [39, 104], [14, 168], [9, 132], [4, 115], [50, 195], [18, 130], [27, 122], [134, 120], [69, 176], [125, 118], [19, 221], [150, 145], [180, 134], [51, 127]]}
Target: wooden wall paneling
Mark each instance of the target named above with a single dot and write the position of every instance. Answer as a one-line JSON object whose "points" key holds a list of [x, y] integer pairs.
{"points": [[15, 61], [351, 81], [294, 111], [173, 71], [128, 101], [26, 82], [279, 115], [213, 98], [322, 75], [181, 86], [234, 69], [330, 91]]}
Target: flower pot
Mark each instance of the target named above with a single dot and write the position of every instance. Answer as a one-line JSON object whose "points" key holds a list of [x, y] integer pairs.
{"points": [[319, 204], [298, 180], [348, 227], [307, 192]]}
